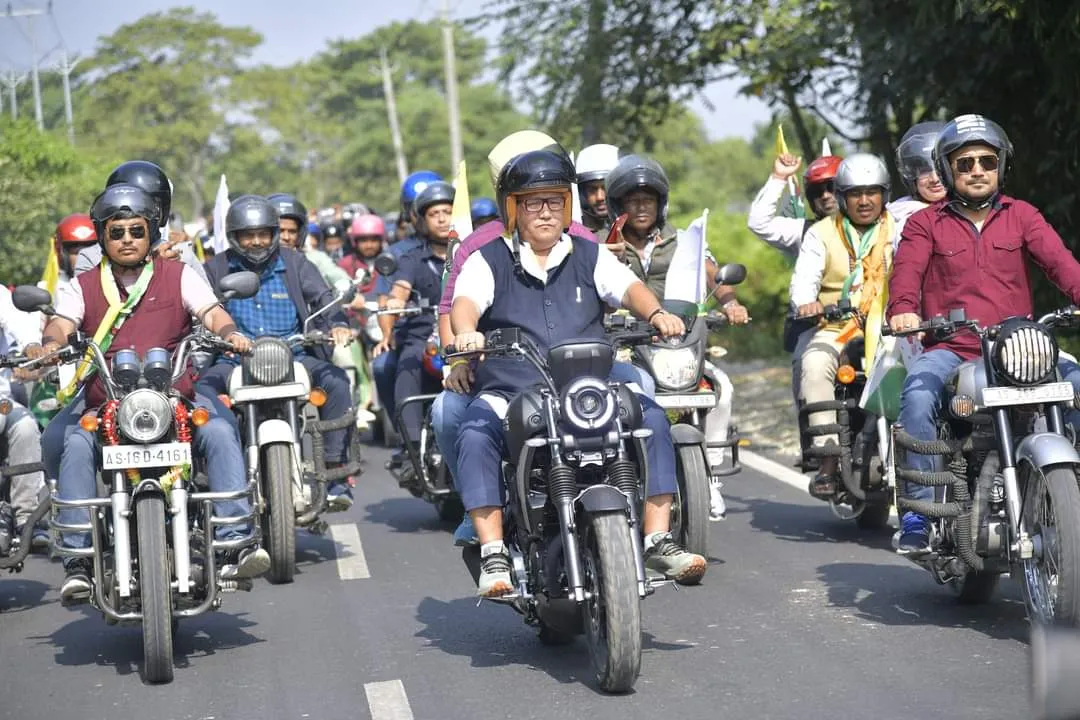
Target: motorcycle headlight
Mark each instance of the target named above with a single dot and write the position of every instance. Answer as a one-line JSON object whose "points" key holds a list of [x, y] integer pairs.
{"points": [[1024, 352], [270, 361], [144, 415], [675, 368], [588, 404]]}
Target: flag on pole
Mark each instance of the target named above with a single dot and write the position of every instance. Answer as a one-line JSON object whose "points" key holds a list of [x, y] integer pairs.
{"points": [[797, 208], [460, 219], [221, 207], [51, 275], [825, 148], [575, 213], [685, 278]]}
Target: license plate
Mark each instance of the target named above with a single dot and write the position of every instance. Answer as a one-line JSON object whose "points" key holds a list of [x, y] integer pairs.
{"points": [[1049, 393], [122, 457], [696, 400]]}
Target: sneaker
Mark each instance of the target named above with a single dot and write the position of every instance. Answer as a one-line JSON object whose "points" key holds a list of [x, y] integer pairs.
{"points": [[39, 537], [914, 535], [465, 534], [717, 506], [715, 457], [495, 580], [248, 563], [339, 497], [76, 586], [665, 556]]}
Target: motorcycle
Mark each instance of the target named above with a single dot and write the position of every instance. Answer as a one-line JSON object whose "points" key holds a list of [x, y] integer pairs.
{"points": [[282, 435], [143, 573], [575, 475], [14, 548], [863, 494], [1008, 500]]}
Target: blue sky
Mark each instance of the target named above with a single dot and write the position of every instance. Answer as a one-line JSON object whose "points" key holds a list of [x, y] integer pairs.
{"points": [[294, 30]]}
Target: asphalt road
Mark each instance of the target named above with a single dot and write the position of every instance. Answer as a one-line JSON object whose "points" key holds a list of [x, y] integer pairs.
{"points": [[800, 617]]}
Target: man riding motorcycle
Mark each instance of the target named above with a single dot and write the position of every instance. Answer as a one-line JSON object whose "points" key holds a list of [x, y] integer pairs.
{"points": [[125, 219], [73, 235], [291, 289], [292, 225], [593, 165], [843, 257], [968, 250], [914, 161], [528, 280]]}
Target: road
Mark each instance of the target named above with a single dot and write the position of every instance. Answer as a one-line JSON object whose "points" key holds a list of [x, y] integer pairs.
{"points": [[799, 617]]}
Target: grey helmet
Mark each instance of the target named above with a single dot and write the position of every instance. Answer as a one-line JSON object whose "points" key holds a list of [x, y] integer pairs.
{"points": [[915, 153], [434, 194], [252, 212], [634, 172], [970, 130], [861, 170]]}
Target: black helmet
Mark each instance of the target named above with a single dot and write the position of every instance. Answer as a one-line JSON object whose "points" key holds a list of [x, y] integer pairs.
{"points": [[914, 154], [252, 212], [288, 206], [536, 170], [634, 172], [150, 178], [434, 194], [970, 130], [124, 201]]}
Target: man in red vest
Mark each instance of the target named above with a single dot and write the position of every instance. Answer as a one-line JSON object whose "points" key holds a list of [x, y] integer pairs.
{"points": [[158, 299]]}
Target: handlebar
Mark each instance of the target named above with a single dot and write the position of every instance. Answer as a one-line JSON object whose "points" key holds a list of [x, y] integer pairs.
{"points": [[831, 313]]}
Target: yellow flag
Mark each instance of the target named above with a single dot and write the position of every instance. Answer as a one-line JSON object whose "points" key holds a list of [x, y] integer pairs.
{"points": [[51, 276], [781, 144], [460, 216]]}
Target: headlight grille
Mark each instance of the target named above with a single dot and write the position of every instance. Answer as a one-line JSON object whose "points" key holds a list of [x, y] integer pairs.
{"points": [[270, 361], [1024, 352]]}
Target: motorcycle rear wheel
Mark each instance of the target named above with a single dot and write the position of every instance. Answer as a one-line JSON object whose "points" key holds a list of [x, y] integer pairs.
{"points": [[280, 515], [155, 589]]}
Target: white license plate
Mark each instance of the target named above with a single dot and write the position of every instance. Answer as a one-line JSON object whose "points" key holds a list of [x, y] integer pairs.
{"points": [[255, 393], [1049, 393], [122, 457], [677, 402]]}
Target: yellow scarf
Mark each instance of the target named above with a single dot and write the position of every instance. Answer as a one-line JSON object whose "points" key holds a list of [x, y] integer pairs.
{"points": [[874, 293]]}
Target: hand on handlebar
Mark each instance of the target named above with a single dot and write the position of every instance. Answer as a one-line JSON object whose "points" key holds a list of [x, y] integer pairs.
{"points": [[736, 313], [239, 342], [810, 310], [905, 322], [395, 304], [668, 325], [469, 341], [342, 335]]}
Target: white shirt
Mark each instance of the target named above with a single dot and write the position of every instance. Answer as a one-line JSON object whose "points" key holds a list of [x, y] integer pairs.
{"points": [[783, 233], [477, 283], [901, 209], [810, 268], [17, 330]]}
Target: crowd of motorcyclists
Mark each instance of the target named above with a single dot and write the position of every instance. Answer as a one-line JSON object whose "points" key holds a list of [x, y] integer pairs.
{"points": [[954, 241]]}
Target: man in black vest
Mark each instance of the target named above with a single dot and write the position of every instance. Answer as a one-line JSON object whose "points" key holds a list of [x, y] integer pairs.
{"points": [[554, 287]]}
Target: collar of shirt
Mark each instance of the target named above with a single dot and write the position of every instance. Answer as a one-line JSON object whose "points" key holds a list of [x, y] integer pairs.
{"points": [[559, 252], [278, 266]]}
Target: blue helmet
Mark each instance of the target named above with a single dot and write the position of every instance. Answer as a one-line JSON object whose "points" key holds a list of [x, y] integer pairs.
{"points": [[414, 185], [483, 208]]}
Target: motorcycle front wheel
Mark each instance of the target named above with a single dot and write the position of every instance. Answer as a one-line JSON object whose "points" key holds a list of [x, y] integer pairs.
{"points": [[155, 589], [1051, 516], [280, 515]]}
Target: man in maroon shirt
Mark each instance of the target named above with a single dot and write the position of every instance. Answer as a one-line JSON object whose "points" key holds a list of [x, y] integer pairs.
{"points": [[967, 251]]}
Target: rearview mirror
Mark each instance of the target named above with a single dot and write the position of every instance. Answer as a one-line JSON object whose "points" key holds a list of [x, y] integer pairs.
{"points": [[31, 298], [238, 285], [386, 264], [731, 274]]}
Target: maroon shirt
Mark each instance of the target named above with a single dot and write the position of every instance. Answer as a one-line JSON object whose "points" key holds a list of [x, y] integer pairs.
{"points": [[943, 263], [159, 320]]}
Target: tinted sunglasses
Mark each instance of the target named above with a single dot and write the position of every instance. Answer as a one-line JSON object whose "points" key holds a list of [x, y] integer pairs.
{"points": [[137, 232], [967, 164], [816, 190]]}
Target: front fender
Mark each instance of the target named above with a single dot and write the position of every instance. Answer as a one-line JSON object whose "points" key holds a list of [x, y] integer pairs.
{"points": [[602, 498], [1042, 449], [275, 431], [686, 434]]}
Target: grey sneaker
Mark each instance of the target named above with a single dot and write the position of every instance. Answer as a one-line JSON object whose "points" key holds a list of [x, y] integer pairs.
{"points": [[76, 587], [674, 562], [495, 579], [249, 563]]}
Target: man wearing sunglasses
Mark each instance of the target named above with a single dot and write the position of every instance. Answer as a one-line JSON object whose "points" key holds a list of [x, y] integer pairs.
{"points": [[967, 251]]}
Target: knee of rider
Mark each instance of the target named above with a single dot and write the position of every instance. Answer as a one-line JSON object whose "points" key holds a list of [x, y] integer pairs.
{"points": [[22, 427], [79, 449]]}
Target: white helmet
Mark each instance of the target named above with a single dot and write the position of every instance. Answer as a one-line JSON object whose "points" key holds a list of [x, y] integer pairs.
{"points": [[595, 162], [861, 170]]}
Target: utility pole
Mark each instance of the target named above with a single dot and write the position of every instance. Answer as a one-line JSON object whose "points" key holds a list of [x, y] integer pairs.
{"points": [[66, 67], [391, 112], [32, 37], [456, 152], [11, 81]]}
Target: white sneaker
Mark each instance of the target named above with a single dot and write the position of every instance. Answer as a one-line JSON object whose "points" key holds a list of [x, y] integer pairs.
{"points": [[717, 506]]}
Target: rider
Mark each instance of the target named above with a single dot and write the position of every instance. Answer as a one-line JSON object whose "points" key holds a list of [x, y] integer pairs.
{"points": [[291, 288], [73, 235], [639, 185], [333, 240], [529, 280], [592, 166], [914, 161], [125, 219], [366, 235], [482, 211], [842, 257], [292, 227], [967, 251]]}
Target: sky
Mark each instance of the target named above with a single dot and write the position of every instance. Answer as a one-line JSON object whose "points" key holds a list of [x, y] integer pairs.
{"points": [[291, 31]]}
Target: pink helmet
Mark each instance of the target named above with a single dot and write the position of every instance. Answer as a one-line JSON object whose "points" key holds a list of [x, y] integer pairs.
{"points": [[364, 225]]}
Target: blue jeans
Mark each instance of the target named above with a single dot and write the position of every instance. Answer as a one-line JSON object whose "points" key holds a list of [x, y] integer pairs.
{"points": [[384, 368], [920, 403], [447, 415], [628, 373], [70, 456]]}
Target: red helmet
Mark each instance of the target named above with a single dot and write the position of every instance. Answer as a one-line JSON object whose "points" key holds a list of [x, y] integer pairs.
{"points": [[366, 225], [76, 228], [822, 169]]}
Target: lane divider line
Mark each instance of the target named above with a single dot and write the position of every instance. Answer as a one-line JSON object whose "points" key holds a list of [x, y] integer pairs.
{"points": [[351, 561], [387, 700]]}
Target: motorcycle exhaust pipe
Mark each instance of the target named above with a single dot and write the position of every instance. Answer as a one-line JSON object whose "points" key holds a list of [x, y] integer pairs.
{"points": [[181, 540], [121, 520]]}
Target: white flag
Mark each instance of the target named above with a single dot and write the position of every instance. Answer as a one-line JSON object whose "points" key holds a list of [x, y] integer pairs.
{"points": [[221, 206], [825, 148], [575, 199], [686, 275]]}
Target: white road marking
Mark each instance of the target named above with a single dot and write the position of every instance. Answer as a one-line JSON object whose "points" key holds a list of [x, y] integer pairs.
{"points": [[351, 563], [387, 700]]}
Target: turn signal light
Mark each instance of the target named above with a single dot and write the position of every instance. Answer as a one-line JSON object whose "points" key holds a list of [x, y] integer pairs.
{"points": [[845, 374], [5, 406], [200, 416], [317, 397], [89, 423]]}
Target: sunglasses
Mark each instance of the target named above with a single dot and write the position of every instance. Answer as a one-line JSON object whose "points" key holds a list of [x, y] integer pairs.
{"points": [[816, 190], [534, 205], [137, 232], [967, 164]]}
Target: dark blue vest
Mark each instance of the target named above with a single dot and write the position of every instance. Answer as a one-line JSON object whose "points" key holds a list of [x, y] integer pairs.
{"points": [[568, 307]]}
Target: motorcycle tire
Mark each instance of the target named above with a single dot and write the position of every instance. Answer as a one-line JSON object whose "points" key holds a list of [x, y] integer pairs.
{"points": [[976, 588], [690, 524], [280, 515], [1061, 485], [873, 517], [155, 589], [613, 612], [450, 510]]}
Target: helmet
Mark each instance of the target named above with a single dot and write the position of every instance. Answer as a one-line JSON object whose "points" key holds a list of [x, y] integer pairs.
{"points": [[151, 179], [75, 228], [288, 206], [595, 162], [367, 225], [252, 212], [535, 170], [483, 208], [351, 210], [970, 130], [861, 170], [514, 144], [124, 201], [633, 172], [914, 154], [413, 185], [434, 194], [315, 230], [822, 170]]}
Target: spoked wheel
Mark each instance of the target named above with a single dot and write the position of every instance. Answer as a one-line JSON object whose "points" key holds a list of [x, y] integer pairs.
{"points": [[612, 607], [155, 589], [1051, 516], [690, 508], [280, 515]]}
